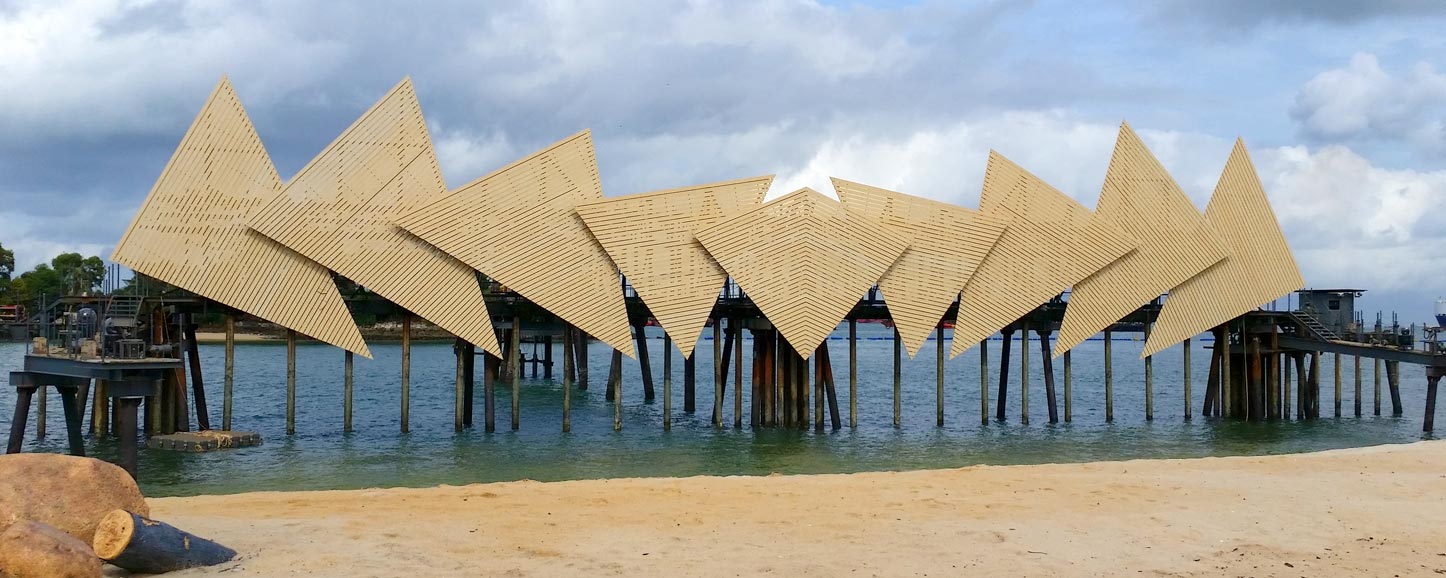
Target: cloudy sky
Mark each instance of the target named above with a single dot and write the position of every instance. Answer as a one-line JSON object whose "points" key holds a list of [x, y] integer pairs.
{"points": [[1342, 103]]}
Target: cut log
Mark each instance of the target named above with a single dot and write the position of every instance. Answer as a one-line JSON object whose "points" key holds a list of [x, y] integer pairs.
{"points": [[145, 546]]}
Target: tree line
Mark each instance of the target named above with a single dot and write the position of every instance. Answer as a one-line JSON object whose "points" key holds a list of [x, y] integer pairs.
{"points": [[66, 274]]}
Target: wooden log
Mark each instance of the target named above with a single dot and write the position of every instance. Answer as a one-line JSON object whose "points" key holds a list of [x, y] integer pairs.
{"points": [[984, 381], [42, 400], [1185, 351], [667, 382], [645, 364], [406, 400], [1068, 389], [1002, 398], [144, 546], [615, 384], [290, 382], [737, 372], [1336, 366], [690, 383], [23, 395], [853, 372], [348, 384], [569, 373], [898, 377], [1393, 380], [1109, 378], [198, 389], [829, 389], [1024, 373], [1376, 394], [1149, 379], [1428, 422], [514, 372], [100, 420], [491, 365], [1048, 362], [939, 376]]}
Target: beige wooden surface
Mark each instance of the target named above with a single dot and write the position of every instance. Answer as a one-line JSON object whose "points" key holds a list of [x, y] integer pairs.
{"points": [[651, 238], [519, 225], [341, 207], [191, 231], [1175, 243], [946, 243], [1258, 269], [1050, 244], [804, 260]]}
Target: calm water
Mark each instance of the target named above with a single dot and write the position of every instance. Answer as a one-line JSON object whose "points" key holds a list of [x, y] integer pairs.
{"points": [[319, 456]]}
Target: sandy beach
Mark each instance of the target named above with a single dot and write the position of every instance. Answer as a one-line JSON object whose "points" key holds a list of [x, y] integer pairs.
{"points": [[1363, 512]]}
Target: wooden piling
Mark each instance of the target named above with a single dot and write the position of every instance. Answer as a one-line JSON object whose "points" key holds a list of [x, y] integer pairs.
{"points": [[1393, 380], [290, 381], [1287, 362], [1186, 362], [1428, 422], [229, 379], [514, 370], [1109, 379], [569, 353], [1024, 373], [1336, 366], [645, 366], [100, 417], [569, 371], [1225, 409], [1258, 370], [755, 384], [1048, 366], [1002, 398], [126, 416], [615, 384], [984, 381], [667, 382], [737, 325], [346, 393], [469, 382], [1212, 380], [690, 383], [546, 358], [829, 389], [853, 373], [1149, 379], [1068, 389], [407, 372], [198, 388], [1376, 394], [818, 395], [939, 376], [898, 378], [718, 372], [458, 386], [491, 367], [581, 340], [1358, 386]]}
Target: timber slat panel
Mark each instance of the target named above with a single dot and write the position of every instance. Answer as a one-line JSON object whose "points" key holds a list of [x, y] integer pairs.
{"points": [[340, 210], [651, 238], [804, 260], [1051, 243], [1258, 270], [519, 225], [1175, 243], [191, 231], [946, 243]]}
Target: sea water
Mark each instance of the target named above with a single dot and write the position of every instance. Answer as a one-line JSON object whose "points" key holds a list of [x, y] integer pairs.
{"points": [[376, 454]]}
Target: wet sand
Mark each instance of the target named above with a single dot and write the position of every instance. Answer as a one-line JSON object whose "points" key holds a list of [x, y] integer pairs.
{"points": [[1361, 512]]}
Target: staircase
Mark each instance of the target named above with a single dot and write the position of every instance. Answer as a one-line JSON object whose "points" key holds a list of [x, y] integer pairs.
{"points": [[1313, 326], [124, 310]]}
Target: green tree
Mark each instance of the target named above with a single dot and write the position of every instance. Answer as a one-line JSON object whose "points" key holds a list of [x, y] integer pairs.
{"points": [[40, 281], [78, 274], [7, 267]]}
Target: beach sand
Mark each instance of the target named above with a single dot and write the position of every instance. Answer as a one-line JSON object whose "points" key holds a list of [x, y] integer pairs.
{"points": [[1361, 512]]}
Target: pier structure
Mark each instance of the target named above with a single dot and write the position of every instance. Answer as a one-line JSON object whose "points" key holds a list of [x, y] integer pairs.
{"points": [[534, 252]]}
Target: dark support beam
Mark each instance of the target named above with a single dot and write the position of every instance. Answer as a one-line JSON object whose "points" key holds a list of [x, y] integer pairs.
{"points": [[514, 372], [70, 401], [347, 387], [615, 385], [198, 388], [898, 377], [737, 325], [984, 381], [1428, 422], [569, 373], [939, 376], [23, 396], [469, 382], [690, 383], [459, 393], [853, 373], [580, 345], [1024, 373], [547, 357], [1002, 398], [1393, 380], [645, 365], [1109, 378], [667, 382], [829, 388], [1049, 398], [718, 372], [1212, 379], [491, 367], [406, 401], [1186, 362], [126, 417], [1068, 389], [1149, 379], [290, 382], [229, 379]]}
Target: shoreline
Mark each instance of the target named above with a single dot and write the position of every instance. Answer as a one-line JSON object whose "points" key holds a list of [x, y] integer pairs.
{"points": [[1352, 512]]}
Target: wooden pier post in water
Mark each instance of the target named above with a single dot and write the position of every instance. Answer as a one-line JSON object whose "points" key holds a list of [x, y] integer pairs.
{"points": [[100, 419], [1048, 366], [667, 381], [645, 366], [491, 367], [346, 393], [755, 396], [1358, 386], [406, 373], [718, 372], [290, 381], [737, 325], [1287, 362], [1024, 373], [1223, 398], [1109, 378], [514, 371], [459, 387], [829, 390], [984, 381], [1003, 396], [1149, 379], [615, 385], [1336, 366], [1068, 389], [939, 376], [1186, 362], [1257, 381], [898, 378], [229, 378], [1428, 422], [1393, 380], [581, 341], [198, 389], [818, 393], [1212, 379], [853, 373], [469, 382], [690, 382], [568, 371], [1376, 395]]}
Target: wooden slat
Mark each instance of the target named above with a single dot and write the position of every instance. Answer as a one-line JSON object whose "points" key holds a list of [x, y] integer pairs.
{"points": [[1175, 243], [804, 260], [946, 244], [340, 210], [1051, 243], [1258, 270], [191, 231], [519, 225], [651, 238]]}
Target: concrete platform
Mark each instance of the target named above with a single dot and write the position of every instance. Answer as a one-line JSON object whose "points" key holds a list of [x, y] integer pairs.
{"points": [[204, 441]]}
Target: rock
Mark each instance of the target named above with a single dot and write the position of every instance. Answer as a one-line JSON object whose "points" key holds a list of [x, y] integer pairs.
{"points": [[70, 493], [34, 550]]}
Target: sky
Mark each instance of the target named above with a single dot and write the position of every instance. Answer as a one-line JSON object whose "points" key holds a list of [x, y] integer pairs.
{"points": [[1341, 103]]}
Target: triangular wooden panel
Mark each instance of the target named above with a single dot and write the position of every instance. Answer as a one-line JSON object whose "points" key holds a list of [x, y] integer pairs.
{"points": [[191, 231], [651, 238], [804, 260], [1051, 243], [946, 244], [1258, 270], [519, 225], [1175, 243], [340, 210]]}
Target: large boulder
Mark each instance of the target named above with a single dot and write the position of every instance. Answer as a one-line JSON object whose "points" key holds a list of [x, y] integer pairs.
{"points": [[67, 492], [34, 550]]}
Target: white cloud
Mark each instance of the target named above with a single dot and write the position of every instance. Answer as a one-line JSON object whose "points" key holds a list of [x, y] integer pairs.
{"points": [[1363, 101]]}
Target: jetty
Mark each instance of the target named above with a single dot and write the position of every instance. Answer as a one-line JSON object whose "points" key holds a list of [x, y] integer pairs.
{"points": [[533, 253]]}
